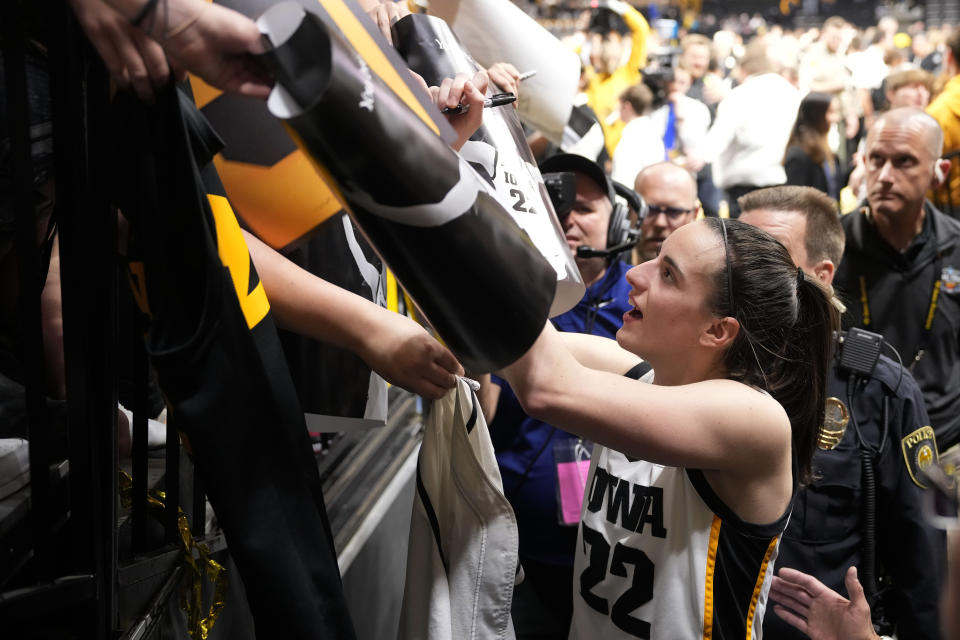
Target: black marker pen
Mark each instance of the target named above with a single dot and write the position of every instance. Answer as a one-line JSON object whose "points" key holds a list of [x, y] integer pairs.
{"points": [[496, 100]]}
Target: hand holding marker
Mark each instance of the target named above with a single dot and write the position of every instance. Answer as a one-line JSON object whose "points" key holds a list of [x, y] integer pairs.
{"points": [[497, 100]]}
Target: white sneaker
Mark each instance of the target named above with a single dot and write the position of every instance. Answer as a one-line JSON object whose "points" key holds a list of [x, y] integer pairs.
{"points": [[14, 465]]}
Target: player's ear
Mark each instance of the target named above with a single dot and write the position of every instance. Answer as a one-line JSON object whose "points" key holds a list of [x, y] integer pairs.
{"points": [[721, 332]]}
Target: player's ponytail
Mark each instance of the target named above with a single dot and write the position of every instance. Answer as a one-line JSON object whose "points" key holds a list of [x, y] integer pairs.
{"points": [[787, 323], [802, 391]]}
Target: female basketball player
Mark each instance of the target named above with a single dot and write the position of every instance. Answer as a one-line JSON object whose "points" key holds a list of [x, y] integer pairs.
{"points": [[692, 486]]}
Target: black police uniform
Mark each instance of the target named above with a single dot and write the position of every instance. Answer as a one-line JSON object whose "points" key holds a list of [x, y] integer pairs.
{"points": [[825, 535], [892, 292]]}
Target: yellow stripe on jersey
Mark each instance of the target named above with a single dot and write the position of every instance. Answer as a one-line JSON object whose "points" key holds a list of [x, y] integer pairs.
{"points": [[759, 586], [235, 256], [409, 306], [708, 589], [393, 298]]}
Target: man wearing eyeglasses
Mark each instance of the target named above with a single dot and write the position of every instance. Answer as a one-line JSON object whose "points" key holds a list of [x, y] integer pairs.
{"points": [[670, 192]]}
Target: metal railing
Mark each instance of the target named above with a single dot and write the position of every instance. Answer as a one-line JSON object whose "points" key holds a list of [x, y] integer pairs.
{"points": [[66, 551]]}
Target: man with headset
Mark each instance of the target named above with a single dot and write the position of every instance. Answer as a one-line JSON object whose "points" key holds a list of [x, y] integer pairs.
{"points": [[598, 231]]}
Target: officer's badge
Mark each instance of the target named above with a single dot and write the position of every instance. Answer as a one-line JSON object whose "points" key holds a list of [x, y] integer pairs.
{"points": [[835, 421], [919, 452], [950, 280]]}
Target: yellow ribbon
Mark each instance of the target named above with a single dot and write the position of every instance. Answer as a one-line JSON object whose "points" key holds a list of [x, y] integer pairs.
{"points": [[197, 559]]}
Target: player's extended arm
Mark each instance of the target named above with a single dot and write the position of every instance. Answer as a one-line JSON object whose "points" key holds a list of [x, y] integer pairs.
{"points": [[394, 346], [600, 353], [720, 416]]}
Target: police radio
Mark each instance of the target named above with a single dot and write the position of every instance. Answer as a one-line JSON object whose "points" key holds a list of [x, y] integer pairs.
{"points": [[859, 351]]}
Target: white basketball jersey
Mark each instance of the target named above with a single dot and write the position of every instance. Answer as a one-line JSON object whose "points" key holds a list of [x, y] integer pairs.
{"points": [[660, 556]]}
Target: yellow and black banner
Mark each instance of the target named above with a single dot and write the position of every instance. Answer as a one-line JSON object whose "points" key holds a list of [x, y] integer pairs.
{"points": [[269, 181], [439, 226], [212, 342]]}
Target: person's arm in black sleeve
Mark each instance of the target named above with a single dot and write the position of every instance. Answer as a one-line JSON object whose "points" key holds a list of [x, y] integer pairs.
{"points": [[913, 552]]}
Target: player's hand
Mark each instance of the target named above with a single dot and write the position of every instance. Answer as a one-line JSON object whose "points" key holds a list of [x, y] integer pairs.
{"points": [[133, 59], [818, 611], [404, 354], [385, 14]]}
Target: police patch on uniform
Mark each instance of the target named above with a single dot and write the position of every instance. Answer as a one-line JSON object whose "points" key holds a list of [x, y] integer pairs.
{"points": [[919, 452], [835, 421], [950, 280]]}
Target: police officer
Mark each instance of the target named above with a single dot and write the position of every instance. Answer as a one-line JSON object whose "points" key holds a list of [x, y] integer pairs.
{"points": [[901, 266], [598, 230], [864, 506]]}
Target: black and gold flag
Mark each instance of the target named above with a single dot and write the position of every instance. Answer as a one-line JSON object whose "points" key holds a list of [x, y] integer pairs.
{"points": [[440, 227], [218, 360]]}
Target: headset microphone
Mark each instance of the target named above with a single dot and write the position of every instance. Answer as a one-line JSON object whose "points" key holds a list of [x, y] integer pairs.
{"points": [[589, 252], [559, 177]]}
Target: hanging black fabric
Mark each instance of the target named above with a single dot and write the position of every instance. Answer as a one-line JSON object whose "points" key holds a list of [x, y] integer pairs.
{"points": [[218, 359]]}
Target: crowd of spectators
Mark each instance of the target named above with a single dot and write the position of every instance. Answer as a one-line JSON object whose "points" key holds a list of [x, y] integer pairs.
{"points": [[867, 68]]}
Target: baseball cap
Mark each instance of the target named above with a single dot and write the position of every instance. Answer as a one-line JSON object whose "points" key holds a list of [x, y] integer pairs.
{"points": [[573, 162]]}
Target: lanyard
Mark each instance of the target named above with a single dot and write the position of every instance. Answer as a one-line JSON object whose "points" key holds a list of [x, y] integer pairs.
{"points": [[593, 311], [928, 323]]}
